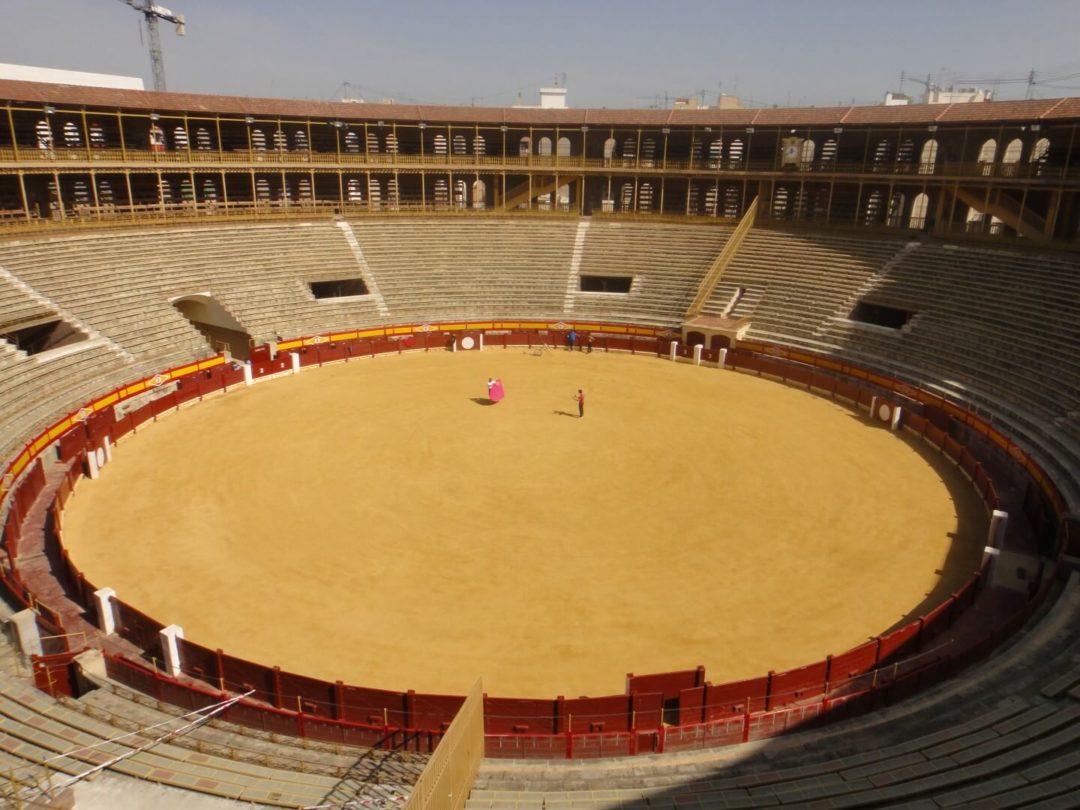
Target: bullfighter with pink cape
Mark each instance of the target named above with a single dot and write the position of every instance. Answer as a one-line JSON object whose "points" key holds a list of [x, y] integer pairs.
{"points": [[495, 390]]}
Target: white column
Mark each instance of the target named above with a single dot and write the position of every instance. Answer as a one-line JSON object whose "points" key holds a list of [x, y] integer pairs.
{"points": [[248, 377], [106, 619], [999, 520], [721, 361], [107, 445], [873, 409], [481, 341], [697, 354], [294, 359], [895, 425], [674, 349], [168, 636], [26, 632]]}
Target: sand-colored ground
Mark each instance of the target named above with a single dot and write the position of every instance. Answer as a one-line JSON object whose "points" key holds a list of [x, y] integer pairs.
{"points": [[376, 522]]}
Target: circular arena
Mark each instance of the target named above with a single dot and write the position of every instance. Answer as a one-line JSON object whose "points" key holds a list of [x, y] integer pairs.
{"points": [[851, 399]]}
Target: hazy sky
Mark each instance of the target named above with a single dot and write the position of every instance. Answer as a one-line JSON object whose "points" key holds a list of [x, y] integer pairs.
{"points": [[616, 53]]}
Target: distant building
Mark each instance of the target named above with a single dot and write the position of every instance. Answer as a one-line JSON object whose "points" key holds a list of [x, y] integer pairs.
{"points": [[896, 99], [27, 73], [726, 102], [964, 95], [553, 98]]}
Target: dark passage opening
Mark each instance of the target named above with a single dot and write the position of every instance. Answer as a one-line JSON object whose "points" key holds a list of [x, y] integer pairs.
{"points": [[338, 288], [607, 284], [880, 315], [43, 336]]}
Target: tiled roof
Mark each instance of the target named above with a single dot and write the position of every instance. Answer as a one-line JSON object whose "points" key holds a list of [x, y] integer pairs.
{"points": [[165, 103]]}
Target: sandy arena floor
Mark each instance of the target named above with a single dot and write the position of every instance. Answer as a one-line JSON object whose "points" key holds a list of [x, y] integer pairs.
{"points": [[377, 522]]}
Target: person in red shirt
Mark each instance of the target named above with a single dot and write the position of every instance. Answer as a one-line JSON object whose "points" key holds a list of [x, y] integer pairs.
{"points": [[580, 403]]}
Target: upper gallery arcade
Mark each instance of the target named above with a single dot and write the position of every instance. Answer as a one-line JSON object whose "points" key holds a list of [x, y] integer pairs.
{"points": [[996, 169]]}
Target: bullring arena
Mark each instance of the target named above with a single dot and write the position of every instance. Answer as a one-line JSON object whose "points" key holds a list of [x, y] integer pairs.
{"points": [[821, 504]]}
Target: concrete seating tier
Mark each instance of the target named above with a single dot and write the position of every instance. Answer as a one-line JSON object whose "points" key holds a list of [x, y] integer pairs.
{"points": [[68, 737], [995, 328], [667, 263], [123, 285], [457, 269], [37, 390], [799, 280], [17, 308]]}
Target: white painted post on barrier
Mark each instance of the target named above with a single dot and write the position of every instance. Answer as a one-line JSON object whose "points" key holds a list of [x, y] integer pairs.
{"points": [[168, 636], [248, 376], [294, 359], [895, 424], [873, 408], [697, 354], [481, 341], [106, 620], [674, 349], [721, 360], [999, 520], [26, 632]]}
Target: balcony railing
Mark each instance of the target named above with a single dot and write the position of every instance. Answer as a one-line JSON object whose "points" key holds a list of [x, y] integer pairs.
{"points": [[362, 161]]}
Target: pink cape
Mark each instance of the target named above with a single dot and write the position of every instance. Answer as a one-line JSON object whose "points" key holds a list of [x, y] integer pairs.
{"points": [[495, 392]]}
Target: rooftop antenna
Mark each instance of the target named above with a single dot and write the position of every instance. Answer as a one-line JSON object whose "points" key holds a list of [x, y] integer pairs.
{"points": [[152, 13]]}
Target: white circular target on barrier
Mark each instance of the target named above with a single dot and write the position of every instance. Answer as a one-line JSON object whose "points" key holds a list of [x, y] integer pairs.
{"points": [[884, 412], [467, 342]]}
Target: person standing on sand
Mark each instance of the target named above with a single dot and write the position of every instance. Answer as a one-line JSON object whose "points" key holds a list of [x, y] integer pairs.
{"points": [[580, 403]]}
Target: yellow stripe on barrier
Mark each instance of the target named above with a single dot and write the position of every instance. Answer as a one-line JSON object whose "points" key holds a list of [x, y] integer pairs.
{"points": [[344, 336], [488, 325], [20, 463], [136, 388], [105, 401], [290, 344], [213, 362], [60, 428], [449, 327], [183, 371]]}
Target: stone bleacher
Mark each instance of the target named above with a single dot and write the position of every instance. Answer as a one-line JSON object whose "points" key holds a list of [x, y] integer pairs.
{"points": [[667, 263], [216, 758], [798, 281], [448, 269]]}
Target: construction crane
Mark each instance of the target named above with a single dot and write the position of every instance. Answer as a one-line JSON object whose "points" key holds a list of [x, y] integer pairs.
{"points": [[152, 13]]}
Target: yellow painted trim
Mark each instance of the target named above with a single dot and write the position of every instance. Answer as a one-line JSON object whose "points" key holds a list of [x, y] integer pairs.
{"points": [[105, 401], [370, 333], [290, 344], [344, 336], [60, 428]]}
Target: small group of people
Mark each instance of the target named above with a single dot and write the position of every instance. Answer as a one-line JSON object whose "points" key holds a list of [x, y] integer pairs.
{"points": [[572, 341]]}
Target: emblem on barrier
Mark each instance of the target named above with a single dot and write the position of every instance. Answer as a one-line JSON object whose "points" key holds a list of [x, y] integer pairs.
{"points": [[315, 341], [159, 379], [83, 414], [1017, 453], [668, 334], [775, 351], [6, 481], [425, 327]]}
